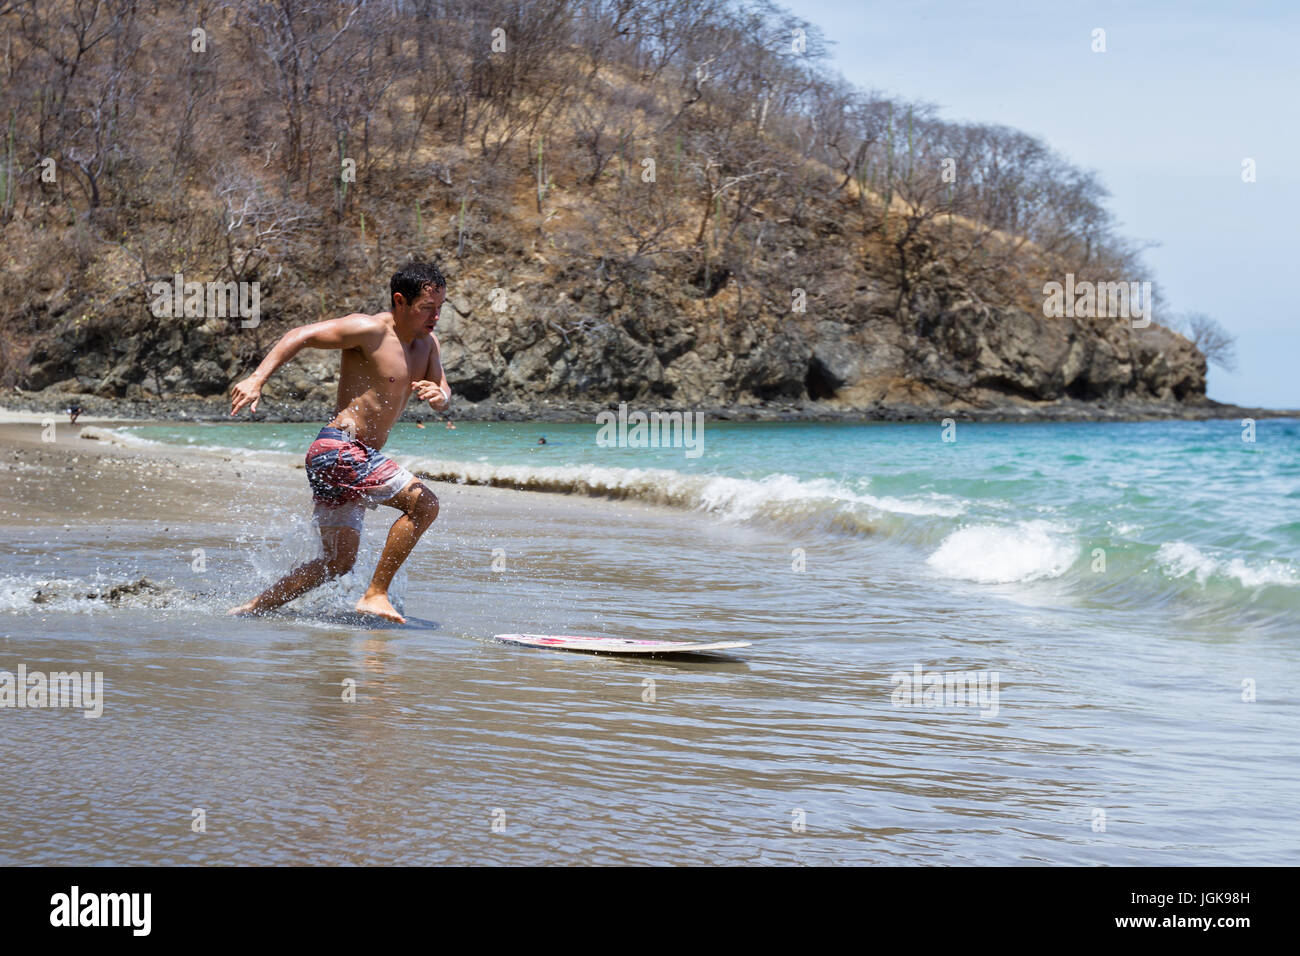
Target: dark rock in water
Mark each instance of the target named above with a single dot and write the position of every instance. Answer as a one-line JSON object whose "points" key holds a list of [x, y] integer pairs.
{"points": [[143, 586], [114, 595]]}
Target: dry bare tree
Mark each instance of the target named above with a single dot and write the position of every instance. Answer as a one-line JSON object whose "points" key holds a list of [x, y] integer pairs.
{"points": [[1216, 343]]}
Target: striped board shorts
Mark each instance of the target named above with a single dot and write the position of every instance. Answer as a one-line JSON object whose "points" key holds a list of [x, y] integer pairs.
{"points": [[348, 476]]}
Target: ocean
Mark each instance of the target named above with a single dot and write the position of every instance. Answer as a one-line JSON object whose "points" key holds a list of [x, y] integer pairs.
{"points": [[1120, 601], [1184, 516]]}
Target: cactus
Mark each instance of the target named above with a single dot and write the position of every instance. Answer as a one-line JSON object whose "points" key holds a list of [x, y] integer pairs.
{"points": [[460, 230], [343, 183], [7, 188], [543, 181]]}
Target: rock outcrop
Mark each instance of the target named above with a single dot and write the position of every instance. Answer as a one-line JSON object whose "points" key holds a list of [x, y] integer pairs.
{"points": [[555, 346]]}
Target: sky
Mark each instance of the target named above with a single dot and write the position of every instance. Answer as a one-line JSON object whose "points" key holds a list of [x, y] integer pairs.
{"points": [[1184, 92]]}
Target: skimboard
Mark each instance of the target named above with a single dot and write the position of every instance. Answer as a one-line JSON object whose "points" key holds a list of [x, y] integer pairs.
{"points": [[614, 645]]}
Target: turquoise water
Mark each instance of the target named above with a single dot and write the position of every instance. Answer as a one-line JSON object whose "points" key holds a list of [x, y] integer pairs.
{"points": [[1120, 515]]}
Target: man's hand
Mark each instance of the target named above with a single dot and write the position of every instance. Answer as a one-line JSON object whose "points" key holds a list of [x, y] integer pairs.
{"points": [[432, 393], [246, 392]]}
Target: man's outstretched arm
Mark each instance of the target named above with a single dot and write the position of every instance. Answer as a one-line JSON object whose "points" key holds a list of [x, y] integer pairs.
{"points": [[351, 331]]}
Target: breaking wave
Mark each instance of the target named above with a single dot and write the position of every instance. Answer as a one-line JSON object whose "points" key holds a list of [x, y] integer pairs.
{"points": [[1179, 559], [992, 554], [113, 436], [778, 497]]}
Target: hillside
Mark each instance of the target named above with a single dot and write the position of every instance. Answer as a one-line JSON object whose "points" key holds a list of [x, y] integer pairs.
{"points": [[650, 201]]}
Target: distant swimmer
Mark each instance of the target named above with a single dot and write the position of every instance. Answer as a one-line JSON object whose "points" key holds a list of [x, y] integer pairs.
{"points": [[419, 424], [542, 440], [73, 412], [451, 424], [385, 357]]}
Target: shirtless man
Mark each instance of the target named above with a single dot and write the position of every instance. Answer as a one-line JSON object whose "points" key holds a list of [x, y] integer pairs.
{"points": [[386, 357]]}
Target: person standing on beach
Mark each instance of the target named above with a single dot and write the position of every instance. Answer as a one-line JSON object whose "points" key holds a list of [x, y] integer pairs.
{"points": [[385, 358]]}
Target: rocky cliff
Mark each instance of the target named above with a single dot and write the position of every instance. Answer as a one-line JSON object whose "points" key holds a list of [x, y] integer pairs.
{"points": [[547, 343]]}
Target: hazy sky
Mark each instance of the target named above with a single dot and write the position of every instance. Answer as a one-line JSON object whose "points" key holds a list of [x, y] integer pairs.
{"points": [[1184, 92]]}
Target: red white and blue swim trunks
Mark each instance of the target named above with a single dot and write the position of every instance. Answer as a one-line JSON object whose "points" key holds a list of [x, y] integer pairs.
{"points": [[348, 476]]}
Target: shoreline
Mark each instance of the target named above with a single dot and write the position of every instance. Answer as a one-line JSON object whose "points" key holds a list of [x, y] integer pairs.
{"points": [[35, 407], [229, 474]]}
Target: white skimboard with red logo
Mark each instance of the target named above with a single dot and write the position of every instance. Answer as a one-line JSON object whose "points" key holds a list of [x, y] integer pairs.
{"points": [[615, 645]]}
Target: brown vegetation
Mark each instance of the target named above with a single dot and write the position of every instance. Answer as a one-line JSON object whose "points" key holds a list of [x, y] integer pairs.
{"points": [[628, 196]]}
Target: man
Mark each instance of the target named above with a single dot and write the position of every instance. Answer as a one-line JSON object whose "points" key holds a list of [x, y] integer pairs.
{"points": [[385, 358]]}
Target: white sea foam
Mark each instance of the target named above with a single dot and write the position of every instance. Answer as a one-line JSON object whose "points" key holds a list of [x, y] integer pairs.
{"points": [[274, 453], [779, 497], [1179, 559], [994, 554], [114, 436], [775, 497]]}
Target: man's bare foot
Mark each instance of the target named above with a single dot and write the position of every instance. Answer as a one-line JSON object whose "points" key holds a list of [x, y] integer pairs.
{"points": [[244, 609], [379, 605]]}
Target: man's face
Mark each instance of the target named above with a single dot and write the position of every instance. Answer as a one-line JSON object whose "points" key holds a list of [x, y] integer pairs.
{"points": [[425, 310]]}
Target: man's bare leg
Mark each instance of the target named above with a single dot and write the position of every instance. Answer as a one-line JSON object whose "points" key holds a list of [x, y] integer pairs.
{"points": [[340, 552], [419, 506]]}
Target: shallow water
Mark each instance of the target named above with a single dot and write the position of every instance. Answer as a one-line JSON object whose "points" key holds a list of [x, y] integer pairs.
{"points": [[1119, 693], [1186, 509]]}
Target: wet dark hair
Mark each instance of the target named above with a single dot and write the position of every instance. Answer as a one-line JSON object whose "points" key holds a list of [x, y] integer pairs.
{"points": [[412, 279]]}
